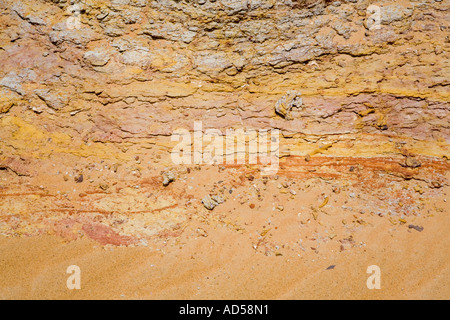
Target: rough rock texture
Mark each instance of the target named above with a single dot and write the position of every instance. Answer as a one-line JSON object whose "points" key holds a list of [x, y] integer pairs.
{"points": [[97, 88]]}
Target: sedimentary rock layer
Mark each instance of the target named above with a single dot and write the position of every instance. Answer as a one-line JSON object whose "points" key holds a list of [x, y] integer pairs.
{"points": [[92, 91]]}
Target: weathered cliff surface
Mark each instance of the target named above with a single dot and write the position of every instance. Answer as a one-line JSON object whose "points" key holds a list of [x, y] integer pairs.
{"points": [[91, 92]]}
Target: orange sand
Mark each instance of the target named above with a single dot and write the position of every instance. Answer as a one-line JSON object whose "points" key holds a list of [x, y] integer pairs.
{"points": [[413, 266]]}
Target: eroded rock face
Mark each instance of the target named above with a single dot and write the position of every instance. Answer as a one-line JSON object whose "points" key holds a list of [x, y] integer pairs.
{"points": [[93, 84]]}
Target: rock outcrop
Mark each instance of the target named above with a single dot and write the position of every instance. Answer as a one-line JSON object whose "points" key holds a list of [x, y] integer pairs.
{"points": [[98, 87]]}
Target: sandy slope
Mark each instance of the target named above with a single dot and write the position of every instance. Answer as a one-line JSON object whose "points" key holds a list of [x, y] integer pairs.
{"points": [[414, 265]]}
